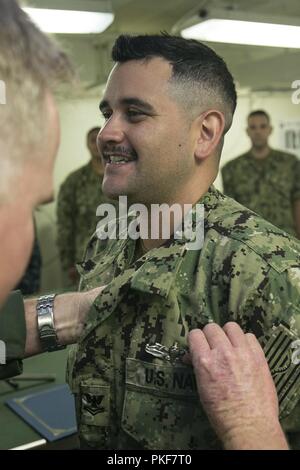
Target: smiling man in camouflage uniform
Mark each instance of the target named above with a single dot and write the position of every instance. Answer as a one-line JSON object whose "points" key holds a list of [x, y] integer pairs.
{"points": [[167, 105]]}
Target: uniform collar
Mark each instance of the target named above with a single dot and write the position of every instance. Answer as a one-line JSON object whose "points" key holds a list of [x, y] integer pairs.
{"points": [[255, 160], [154, 273]]}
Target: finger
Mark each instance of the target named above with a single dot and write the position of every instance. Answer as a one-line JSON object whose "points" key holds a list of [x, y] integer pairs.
{"points": [[187, 358], [235, 334], [215, 336], [89, 297], [255, 345], [198, 344]]}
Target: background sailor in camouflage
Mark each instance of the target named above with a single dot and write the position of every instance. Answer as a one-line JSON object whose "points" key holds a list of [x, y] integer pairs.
{"points": [[265, 180], [78, 199], [132, 387]]}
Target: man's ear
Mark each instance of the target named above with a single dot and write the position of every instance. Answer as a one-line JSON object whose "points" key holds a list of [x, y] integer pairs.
{"points": [[209, 128]]}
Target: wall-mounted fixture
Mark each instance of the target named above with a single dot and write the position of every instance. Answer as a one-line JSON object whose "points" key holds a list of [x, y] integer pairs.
{"points": [[85, 17], [240, 27]]}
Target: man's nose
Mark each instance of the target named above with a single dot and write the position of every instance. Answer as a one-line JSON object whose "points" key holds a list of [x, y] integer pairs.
{"points": [[112, 131]]}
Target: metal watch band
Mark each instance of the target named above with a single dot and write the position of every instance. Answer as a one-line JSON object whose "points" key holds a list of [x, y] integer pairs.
{"points": [[45, 320]]}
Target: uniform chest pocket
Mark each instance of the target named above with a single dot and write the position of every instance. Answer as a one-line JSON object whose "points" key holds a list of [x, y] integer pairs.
{"points": [[161, 407]]}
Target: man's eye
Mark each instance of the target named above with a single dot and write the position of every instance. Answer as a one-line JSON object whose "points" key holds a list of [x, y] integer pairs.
{"points": [[134, 113], [106, 114]]}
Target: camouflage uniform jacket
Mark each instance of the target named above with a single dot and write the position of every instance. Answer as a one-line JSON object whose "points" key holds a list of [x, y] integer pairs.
{"points": [[268, 187], [130, 395], [78, 199]]}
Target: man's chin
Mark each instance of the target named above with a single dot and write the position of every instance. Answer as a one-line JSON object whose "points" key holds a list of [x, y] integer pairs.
{"points": [[112, 196], [113, 193], [260, 145]]}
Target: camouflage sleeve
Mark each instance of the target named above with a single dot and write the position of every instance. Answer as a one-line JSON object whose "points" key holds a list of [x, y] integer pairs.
{"points": [[11, 369], [228, 184], [296, 187], [12, 335], [274, 317], [66, 216]]}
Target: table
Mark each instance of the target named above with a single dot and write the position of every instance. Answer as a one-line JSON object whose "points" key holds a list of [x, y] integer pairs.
{"points": [[15, 432]]}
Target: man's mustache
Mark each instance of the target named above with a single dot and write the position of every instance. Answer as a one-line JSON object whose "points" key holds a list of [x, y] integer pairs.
{"points": [[119, 150]]}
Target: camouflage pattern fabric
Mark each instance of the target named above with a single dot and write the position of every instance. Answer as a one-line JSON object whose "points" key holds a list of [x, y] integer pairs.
{"points": [[78, 199], [268, 186], [131, 388], [13, 333]]}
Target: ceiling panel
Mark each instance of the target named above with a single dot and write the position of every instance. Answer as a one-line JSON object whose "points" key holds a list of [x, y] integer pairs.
{"points": [[252, 66]]}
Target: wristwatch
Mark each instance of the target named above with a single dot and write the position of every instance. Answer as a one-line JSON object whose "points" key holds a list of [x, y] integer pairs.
{"points": [[45, 320]]}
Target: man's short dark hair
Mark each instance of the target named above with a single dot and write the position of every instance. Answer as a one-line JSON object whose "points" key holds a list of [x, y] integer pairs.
{"points": [[259, 112], [195, 66]]}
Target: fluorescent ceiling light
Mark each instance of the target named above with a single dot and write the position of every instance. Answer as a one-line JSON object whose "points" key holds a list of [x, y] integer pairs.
{"points": [[69, 21], [245, 32]]}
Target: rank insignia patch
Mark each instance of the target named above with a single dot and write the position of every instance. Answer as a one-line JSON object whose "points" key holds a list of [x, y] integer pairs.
{"points": [[95, 400], [282, 350]]}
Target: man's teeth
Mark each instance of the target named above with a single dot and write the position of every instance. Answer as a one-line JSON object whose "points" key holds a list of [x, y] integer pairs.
{"points": [[118, 160]]}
